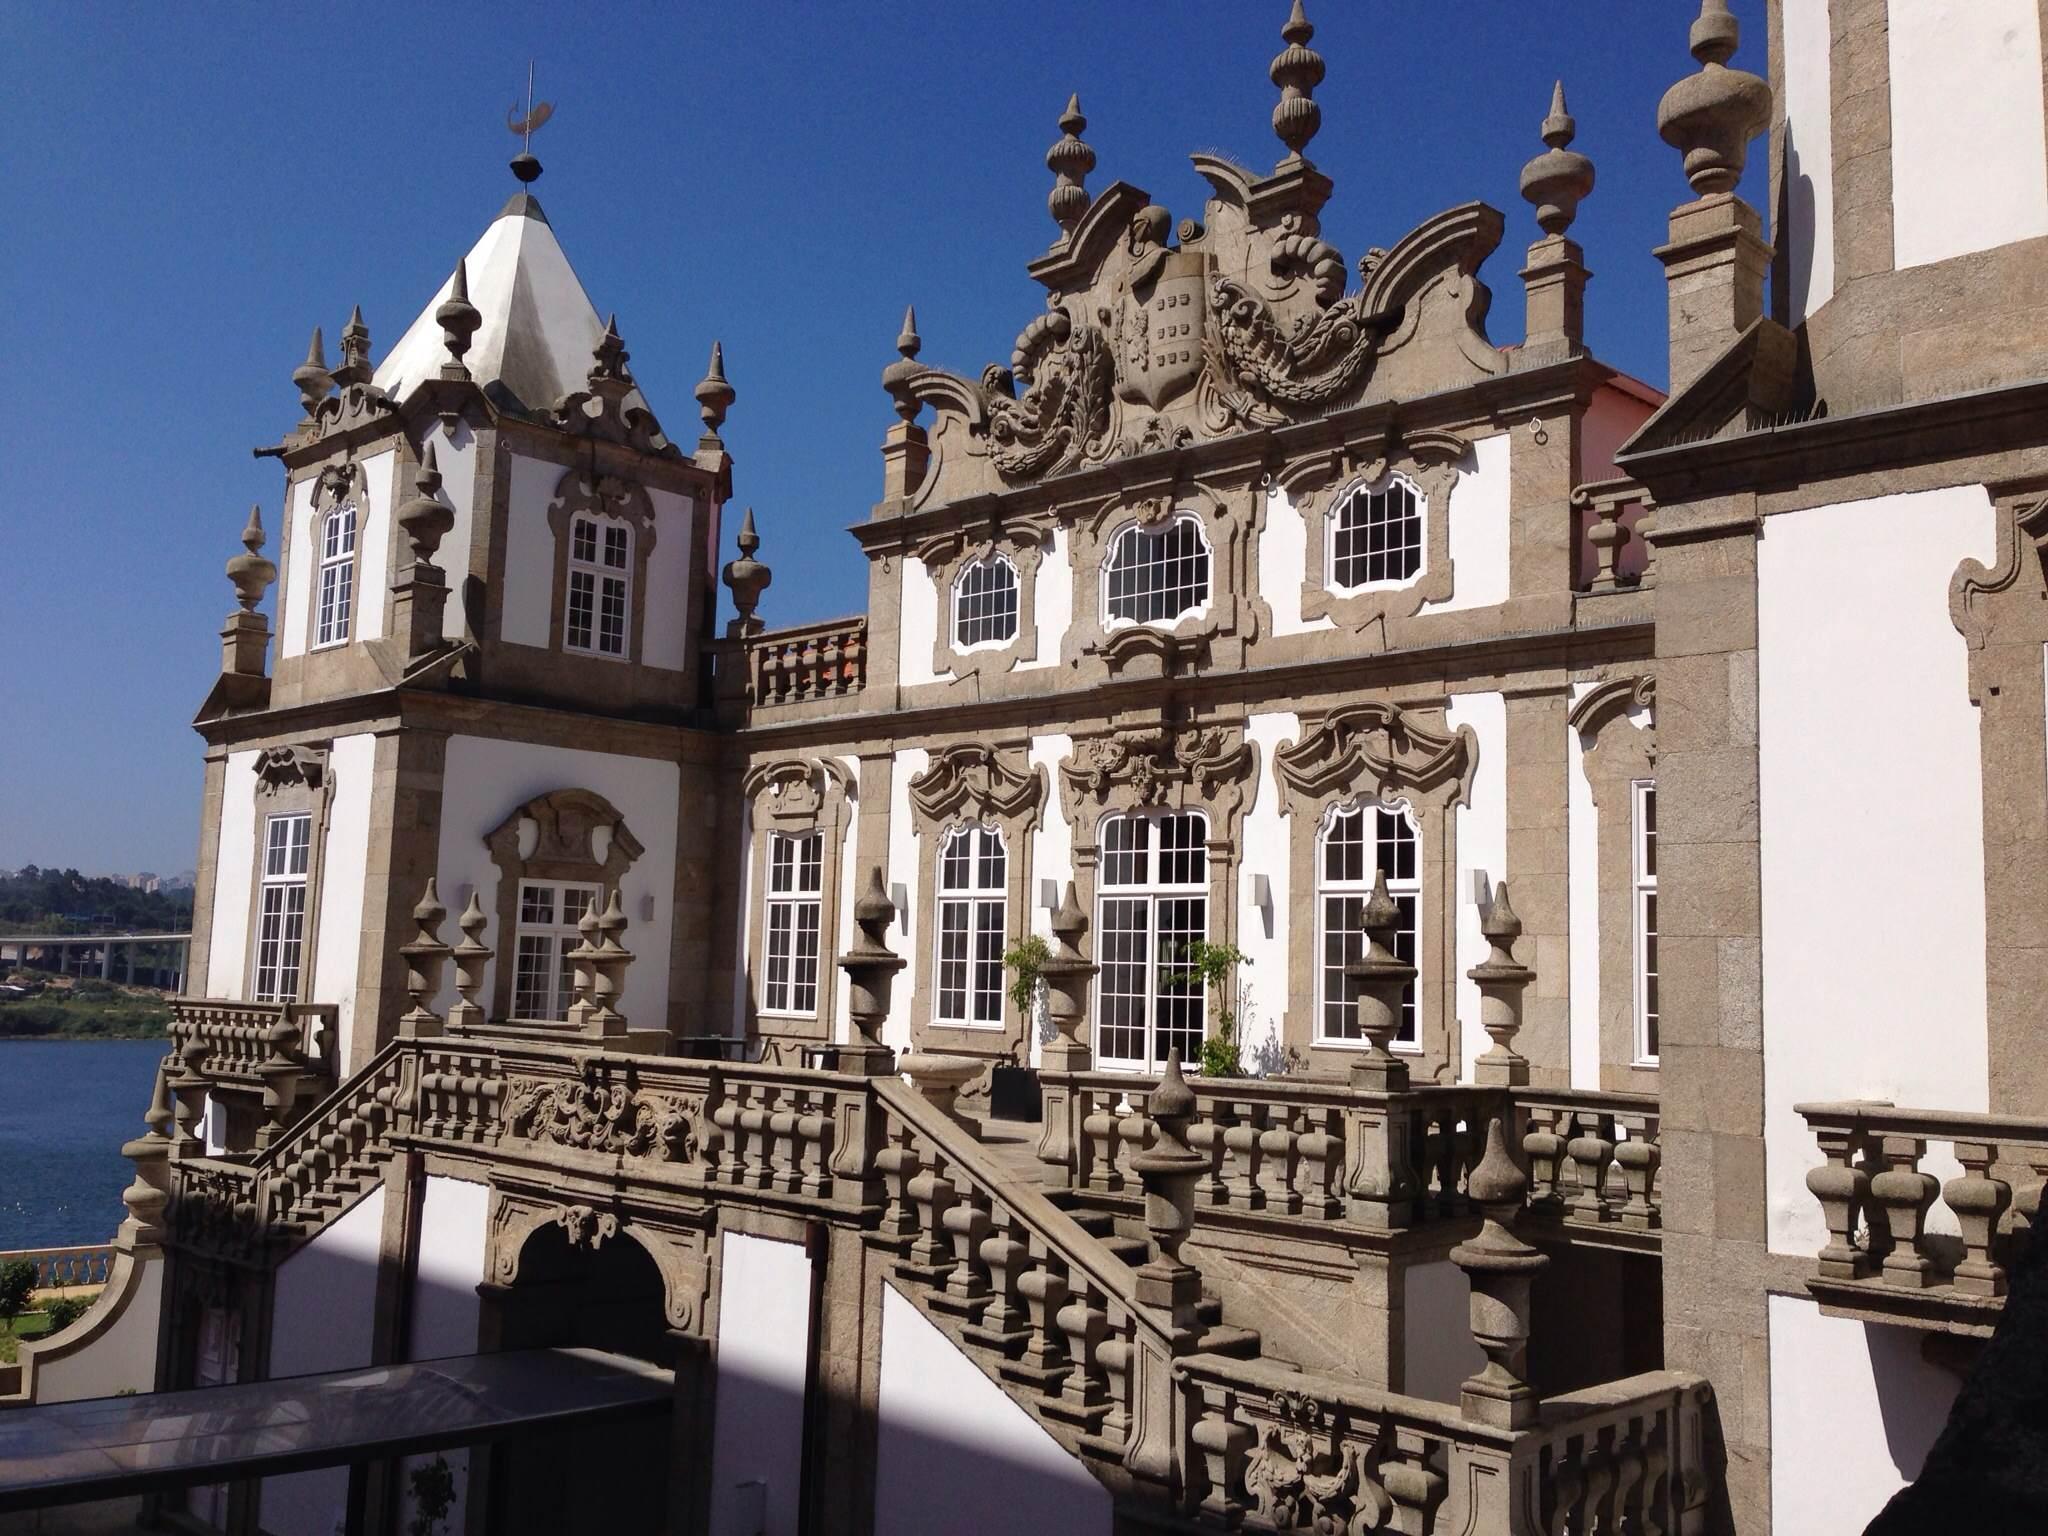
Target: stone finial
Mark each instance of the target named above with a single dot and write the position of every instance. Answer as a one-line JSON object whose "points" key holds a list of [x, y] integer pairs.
{"points": [[1557, 179], [424, 956], [311, 377], [1297, 69], [897, 376], [609, 376], [1501, 1268], [1169, 1170], [747, 578], [608, 967], [714, 395], [870, 966], [147, 1196], [355, 351], [1502, 980], [1380, 978], [1070, 161], [458, 319], [471, 955], [1067, 975], [1710, 117], [250, 571], [425, 518]]}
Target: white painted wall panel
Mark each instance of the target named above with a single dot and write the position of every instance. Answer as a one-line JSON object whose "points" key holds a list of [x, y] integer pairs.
{"points": [[486, 780], [1283, 565], [919, 617], [528, 596], [764, 1344], [321, 1320], [1436, 1332], [1872, 861], [298, 572], [227, 950], [1809, 157], [743, 983], [852, 880], [456, 458], [1482, 844], [1582, 908], [1480, 536], [1052, 854], [1969, 168], [670, 604], [121, 1359], [373, 538], [1054, 600], [453, 1213], [950, 1439], [1265, 985], [344, 872], [1854, 1410], [903, 870]]}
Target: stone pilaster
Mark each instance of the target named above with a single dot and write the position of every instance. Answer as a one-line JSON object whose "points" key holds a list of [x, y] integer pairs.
{"points": [[1714, 266], [1537, 866], [404, 847]]}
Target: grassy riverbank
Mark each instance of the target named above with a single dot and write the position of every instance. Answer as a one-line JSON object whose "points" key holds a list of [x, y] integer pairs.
{"points": [[87, 1010]]}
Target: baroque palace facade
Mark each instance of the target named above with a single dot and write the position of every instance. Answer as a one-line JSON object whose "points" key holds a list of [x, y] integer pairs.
{"points": [[1617, 825]]}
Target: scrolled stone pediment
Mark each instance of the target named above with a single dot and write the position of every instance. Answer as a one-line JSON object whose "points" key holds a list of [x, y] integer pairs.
{"points": [[1166, 766], [280, 768], [566, 822], [1379, 747], [1605, 701], [795, 787], [978, 782]]}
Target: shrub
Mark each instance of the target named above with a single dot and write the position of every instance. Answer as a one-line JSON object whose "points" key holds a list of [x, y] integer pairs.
{"points": [[17, 1288], [63, 1311]]}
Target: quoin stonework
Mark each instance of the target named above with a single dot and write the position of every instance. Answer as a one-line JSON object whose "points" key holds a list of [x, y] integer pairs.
{"points": [[1605, 830]]}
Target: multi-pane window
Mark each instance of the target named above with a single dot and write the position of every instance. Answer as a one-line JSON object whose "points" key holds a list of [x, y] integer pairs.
{"points": [[600, 563], [281, 907], [543, 975], [1376, 536], [1153, 906], [985, 604], [1644, 879], [1156, 575], [973, 872], [337, 575], [1357, 843], [795, 886]]}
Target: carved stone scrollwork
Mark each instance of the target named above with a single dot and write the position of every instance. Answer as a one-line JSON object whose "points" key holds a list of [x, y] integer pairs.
{"points": [[2022, 550], [1378, 744], [977, 783], [1302, 1474], [678, 1255], [586, 1227], [594, 1114], [1164, 765], [280, 768], [1064, 416]]}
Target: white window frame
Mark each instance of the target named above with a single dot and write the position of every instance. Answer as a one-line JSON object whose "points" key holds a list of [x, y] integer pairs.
{"points": [[982, 906], [801, 876], [285, 891], [601, 574], [1332, 523], [339, 530], [1157, 896], [1195, 610], [553, 936], [1402, 888], [1642, 840], [957, 618]]}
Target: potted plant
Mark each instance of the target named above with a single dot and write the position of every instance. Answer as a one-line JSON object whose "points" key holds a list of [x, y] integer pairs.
{"points": [[1214, 968]]}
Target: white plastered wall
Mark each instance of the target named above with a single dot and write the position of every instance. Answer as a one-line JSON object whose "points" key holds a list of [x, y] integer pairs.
{"points": [[1054, 600], [1262, 933], [1871, 825], [1809, 157], [667, 601], [1969, 168], [851, 880], [1436, 1333], [764, 1346], [455, 457], [1582, 908], [743, 981], [321, 1320], [227, 951], [344, 870], [1480, 536], [1482, 844], [373, 538], [1283, 566], [453, 1216], [528, 597], [1052, 854], [917, 624], [903, 871], [298, 571], [949, 1439], [486, 780], [1855, 1408]]}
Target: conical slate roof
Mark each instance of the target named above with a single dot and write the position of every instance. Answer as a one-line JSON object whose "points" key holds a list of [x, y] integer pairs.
{"points": [[539, 327]]}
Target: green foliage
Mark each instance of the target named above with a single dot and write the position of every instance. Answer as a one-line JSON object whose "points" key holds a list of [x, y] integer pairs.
{"points": [[1214, 968], [17, 1288], [433, 1497], [63, 1311], [36, 900], [59, 1015], [1027, 959]]}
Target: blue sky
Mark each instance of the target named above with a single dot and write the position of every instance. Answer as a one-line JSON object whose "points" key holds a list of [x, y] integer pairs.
{"points": [[187, 192]]}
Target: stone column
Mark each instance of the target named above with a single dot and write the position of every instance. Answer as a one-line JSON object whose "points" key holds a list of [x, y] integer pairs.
{"points": [[1538, 856]]}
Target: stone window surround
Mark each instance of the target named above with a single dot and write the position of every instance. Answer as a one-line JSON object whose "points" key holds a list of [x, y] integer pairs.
{"points": [[599, 571], [1619, 753], [607, 498], [945, 558], [966, 784], [335, 485], [1368, 804], [1429, 462], [790, 796], [1229, 526], [1206, 766], [1139, 524], [566, 824], [1380, 753], [288, 780]]}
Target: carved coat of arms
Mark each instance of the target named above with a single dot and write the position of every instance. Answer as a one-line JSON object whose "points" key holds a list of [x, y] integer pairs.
{"points": [[1159, 317]]}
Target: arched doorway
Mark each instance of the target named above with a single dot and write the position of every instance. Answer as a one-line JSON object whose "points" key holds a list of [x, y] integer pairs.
{"points": [[604, 1294]]}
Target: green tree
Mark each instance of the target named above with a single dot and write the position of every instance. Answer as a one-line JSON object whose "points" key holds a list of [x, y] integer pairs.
{"points": [[17, 1289]]}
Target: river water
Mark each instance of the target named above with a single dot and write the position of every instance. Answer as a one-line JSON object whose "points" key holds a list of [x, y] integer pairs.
{"points": [[65, 1108]]}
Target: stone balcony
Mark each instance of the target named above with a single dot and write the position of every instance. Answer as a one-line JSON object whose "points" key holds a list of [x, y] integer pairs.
{"points": [[1885, 1260], [261, 1064]]}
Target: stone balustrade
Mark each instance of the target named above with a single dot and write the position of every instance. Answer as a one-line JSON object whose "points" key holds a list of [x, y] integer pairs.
{"points": [[282, 1051], [1621, 556], [1884, 1257], [1593, 1158], [807, 661], [1290, 1450], [59, 1269]]}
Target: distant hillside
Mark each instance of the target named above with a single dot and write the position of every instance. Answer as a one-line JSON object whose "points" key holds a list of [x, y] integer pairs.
{"points": [[36, 900]]}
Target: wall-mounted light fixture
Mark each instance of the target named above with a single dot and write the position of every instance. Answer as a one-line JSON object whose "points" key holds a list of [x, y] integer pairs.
{"points": [[647, 907], [1482, 890], [462, 894], [1049, 893], [901, 898]]}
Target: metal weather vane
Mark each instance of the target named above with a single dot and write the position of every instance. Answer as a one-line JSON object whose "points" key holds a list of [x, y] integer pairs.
{"points": [[524, 166]]}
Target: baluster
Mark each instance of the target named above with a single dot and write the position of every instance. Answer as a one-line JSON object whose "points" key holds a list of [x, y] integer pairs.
{"points": [[1543, 1147], [1207, 1136], [1241, 1143], [1084, 1320], [966, 1223], [1978, 1201], [851, 660], [931, 1251], [1600, 1479], [814, 1146], [1321, 1147], [898, 1163], [1592, 1152], [1223, 1444], [1133, 1135], [1630, 1487], [1044, 1289], [1638, 1157], [759, 1148], [1099, 1126], [784, 1174], [1279, 1155], [1004, 1324], [828, 660], [1903, 1193], [1113, 1354], [807, 667], [1841, 1187]]}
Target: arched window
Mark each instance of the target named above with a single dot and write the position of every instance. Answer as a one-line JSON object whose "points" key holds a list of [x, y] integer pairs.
{"points": [[985, 603], [1357, 842], [337, 575], [600, 582], [1376, 535], [795, 899], [1152, 905], [1156, 575], [973, 887]]}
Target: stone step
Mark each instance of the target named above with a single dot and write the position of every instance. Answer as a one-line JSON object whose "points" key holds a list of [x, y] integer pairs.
{"points": [[1240, 1343]]}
